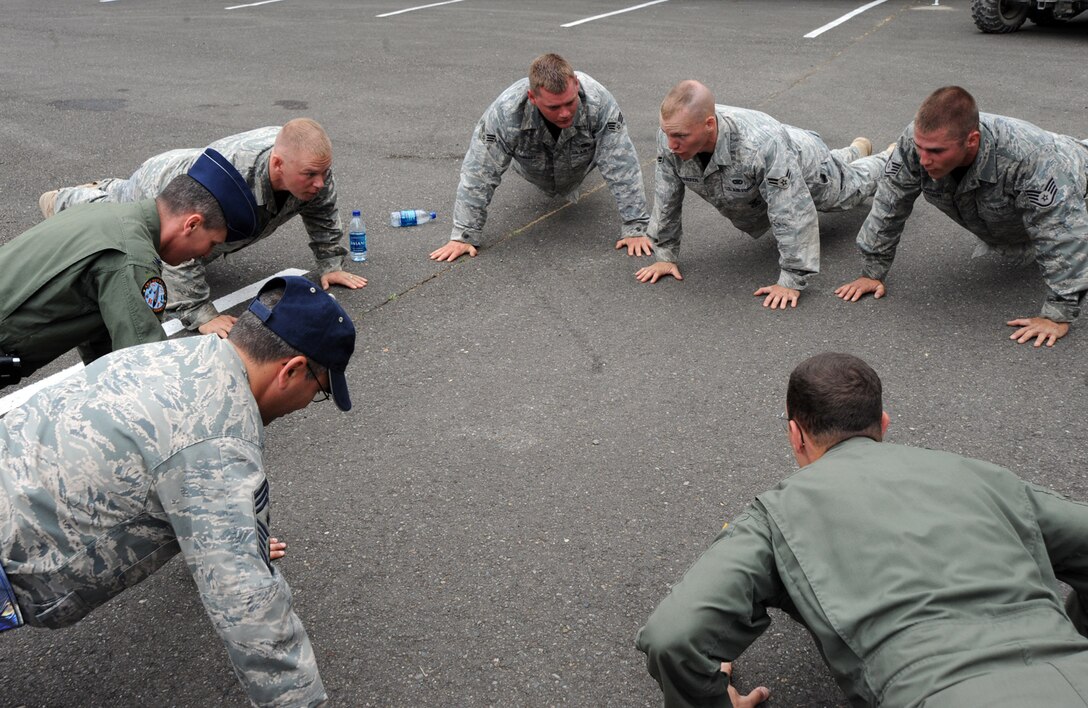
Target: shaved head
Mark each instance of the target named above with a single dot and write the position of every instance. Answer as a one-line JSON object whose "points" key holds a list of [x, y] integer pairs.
{"points": [[304, 138], [690, 98]]}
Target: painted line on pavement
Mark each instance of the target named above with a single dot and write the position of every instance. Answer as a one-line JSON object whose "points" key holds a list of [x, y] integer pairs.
{"points": [[252, 4], [615, 12], [844, 18], [171, 327], [418, 7]]}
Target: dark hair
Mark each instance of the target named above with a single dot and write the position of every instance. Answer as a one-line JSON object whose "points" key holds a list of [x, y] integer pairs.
{"points": [[835, 396], [184, 195], [259, 342], [949, 108]]}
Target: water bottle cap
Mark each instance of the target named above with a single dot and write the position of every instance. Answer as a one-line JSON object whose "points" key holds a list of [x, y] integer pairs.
{"points": [[356, 212], [434, 215]]}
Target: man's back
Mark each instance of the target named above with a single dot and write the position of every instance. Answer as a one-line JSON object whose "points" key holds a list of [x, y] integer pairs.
{"points": [[917, 570]]}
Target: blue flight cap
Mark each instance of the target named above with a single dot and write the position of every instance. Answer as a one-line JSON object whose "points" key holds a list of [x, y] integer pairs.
{"points": [[313, 322], [229, 188]]}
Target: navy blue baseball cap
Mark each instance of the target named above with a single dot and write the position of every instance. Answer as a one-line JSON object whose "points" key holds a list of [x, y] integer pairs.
{"points": [[229, 188], [313, 322]]}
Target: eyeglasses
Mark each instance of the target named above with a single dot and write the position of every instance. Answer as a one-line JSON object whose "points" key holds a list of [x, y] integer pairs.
{"points": [[323, 395], [784, 420]]}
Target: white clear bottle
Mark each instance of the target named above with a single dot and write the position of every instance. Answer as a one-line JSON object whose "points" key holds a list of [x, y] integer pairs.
{"points": [[357, 237], [411, 217]]}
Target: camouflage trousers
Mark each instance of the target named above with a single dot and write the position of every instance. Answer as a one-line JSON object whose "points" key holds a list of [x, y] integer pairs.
{"points": [[847, 179], [110, 189]]}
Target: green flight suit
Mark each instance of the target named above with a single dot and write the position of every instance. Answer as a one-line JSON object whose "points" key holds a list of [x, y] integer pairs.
{"points": [[89, 277], [926, 579]]}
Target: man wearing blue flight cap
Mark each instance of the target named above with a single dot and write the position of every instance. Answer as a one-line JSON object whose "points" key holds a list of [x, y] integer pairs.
{"points": [[101, 483], [91, 277]]}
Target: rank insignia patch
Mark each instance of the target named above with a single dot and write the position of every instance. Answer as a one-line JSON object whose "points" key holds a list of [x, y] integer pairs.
{"points": [[780, 182], [1043, 197], [154, 292], [892, 167]]}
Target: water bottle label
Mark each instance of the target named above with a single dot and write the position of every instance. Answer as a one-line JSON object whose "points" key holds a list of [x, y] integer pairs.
{"points": [[357, 242], [408, 217]]}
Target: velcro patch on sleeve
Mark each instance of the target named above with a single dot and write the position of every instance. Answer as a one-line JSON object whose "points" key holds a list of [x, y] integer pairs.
{"points": [[154, 292], [781, 182]]}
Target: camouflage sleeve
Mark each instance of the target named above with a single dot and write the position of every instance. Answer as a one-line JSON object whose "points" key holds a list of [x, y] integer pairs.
{"points": [[189, 293], [713, 614], [896, 192], [619, 166], [215, 496], [1050, 195], [485, 162], [321, 217], [666, 225], [121, 290], [791, 212]]}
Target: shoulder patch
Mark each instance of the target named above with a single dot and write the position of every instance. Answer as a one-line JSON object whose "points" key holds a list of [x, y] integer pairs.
{"points": [[615, 125], [490, 138], [780, 182], [892, 167], [1043, 197], [154, 292]]}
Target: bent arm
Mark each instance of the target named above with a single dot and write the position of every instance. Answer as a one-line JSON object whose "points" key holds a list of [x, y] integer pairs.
{"points": [[215, 495], [321, 218], [713, 614], [620, 169], [487, 159]]}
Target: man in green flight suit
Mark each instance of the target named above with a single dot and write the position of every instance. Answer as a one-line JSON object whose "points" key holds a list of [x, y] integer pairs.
{"points": [[91, 277], [953, 602]]}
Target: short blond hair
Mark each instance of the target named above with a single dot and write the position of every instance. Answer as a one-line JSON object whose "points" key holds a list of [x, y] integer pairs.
{"points": [[688, 97], [304, 138], [550, 72]]}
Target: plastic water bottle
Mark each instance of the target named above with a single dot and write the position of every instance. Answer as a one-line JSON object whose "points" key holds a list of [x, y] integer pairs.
{"points": [[411, 217], [357, 237]]}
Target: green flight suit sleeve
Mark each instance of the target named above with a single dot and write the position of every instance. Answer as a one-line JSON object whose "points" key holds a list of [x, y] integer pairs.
{"points": [[119, 286], [713, 614], [1064, 526], [215, 496]]}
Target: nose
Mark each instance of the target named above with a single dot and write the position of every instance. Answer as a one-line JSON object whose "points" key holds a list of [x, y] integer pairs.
{"points": [[319, 181]]}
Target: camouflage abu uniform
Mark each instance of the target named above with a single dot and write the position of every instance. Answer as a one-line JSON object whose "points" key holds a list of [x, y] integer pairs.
{"points": [[100, 486], [513, 129], [1023, 195], [190, 296], [89, 278], [764, 175]]}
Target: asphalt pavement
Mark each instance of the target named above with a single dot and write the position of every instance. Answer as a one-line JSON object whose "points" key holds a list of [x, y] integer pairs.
{"points": [[540, 444]]}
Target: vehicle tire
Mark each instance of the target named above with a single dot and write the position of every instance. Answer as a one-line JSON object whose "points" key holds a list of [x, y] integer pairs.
{"points": [[1044, 17], [999, 16]]}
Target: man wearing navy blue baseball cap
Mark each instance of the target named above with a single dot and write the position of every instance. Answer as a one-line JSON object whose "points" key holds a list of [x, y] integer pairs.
{"points": [[91, 277], [158, 450], [310, 321]]}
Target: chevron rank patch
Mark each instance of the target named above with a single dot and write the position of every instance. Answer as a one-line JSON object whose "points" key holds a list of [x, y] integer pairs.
{"points": [[780, 182], [892, 167], [1043, 197]]}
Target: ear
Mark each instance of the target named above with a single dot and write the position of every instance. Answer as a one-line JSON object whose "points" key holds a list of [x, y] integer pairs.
{"points": [[973, 139], [291, 371], [711, 123], [192, 222], [797, 438], [532, 98], [275, 161], [885, 420]]}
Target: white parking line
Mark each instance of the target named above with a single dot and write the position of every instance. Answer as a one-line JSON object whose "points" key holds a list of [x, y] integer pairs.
{"points": [[252, 4], [615, 12], [420, 7], [844, 18], [171, 327]]}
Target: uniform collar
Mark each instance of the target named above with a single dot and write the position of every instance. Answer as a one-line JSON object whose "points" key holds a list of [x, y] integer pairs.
{"points": [[262, 181]]}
